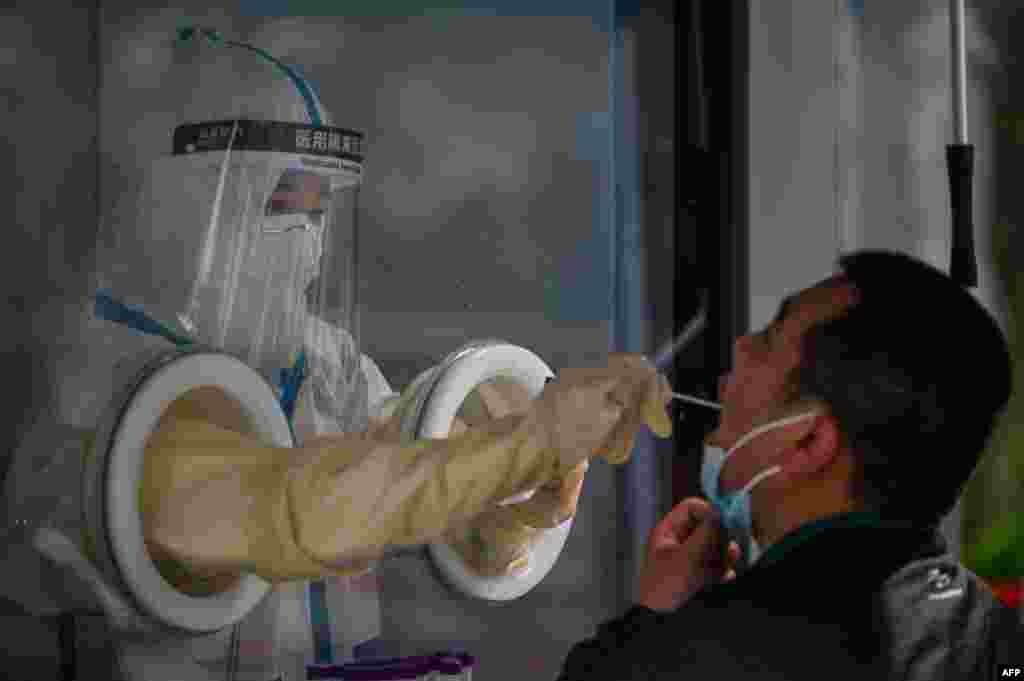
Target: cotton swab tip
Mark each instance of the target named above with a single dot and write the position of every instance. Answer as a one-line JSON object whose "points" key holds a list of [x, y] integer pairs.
{"points": [[696, 400]]}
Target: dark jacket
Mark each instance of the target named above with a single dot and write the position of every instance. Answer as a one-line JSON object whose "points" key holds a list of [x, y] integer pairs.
{"points": [[843, 598]]}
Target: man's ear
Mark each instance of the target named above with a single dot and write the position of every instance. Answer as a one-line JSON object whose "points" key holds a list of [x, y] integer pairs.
{"points": [[818, 449]]}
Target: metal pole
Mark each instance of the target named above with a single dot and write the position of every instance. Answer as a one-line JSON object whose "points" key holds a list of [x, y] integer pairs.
{"points": [[963, 265], [956, 16]]}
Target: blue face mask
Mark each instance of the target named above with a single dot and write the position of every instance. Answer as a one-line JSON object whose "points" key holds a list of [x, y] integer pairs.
{"points": [[734, 507]]}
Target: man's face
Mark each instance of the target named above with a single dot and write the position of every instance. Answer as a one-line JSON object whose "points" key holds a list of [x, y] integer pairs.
{"points": [[755, 391]]}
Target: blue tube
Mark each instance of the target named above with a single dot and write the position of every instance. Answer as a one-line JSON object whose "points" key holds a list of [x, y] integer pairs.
{"points": [[445, 663], [291, 381], [300, 83], [305, 91], [106, 306], [323, 648]]}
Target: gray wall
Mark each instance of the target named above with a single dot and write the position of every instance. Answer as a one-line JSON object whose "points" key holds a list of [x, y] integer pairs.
{"points": [[848, 128], [48, 76], [875, 94], [49, 84]]}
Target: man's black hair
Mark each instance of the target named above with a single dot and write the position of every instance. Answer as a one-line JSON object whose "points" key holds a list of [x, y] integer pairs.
{"points": [[916, 372]]}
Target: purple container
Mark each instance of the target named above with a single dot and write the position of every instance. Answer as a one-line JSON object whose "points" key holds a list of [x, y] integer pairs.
{"points": [[391, 672], [394, 668], [449, 666], [388, 673]]}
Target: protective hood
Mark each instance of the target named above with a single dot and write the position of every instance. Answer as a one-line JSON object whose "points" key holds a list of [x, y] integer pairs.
{"points": [[244, 236]]}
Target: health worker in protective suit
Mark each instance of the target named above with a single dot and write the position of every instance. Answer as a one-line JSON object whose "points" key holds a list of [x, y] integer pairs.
{"points": [[248, 247]]}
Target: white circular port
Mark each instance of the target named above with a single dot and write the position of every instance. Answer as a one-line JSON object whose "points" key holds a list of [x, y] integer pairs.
{"points": [[124, 476], [451, 388]]}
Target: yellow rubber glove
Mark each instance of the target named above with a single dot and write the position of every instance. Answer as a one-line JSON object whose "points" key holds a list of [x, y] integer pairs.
{"points": [[499, 541], [220, 502]]}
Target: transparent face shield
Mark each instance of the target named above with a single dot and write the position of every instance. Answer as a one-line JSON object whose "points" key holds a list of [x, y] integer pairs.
{"points": [[251, 251], [256, 301]]}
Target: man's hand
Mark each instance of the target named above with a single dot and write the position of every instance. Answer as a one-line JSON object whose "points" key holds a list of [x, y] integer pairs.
{"points": [[685, 553]]}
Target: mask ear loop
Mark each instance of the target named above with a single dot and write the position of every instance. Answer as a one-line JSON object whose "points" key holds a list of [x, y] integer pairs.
{"points": [[761, 429], [759, 477], [771, 425]]}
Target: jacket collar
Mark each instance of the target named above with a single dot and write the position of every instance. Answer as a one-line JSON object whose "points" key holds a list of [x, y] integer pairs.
{"points": [[860, 549]]}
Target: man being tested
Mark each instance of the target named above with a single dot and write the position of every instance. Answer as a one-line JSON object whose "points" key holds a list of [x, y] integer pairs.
{"points": [[848, 428]]}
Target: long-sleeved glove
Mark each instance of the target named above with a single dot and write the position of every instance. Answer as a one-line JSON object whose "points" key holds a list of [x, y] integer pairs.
{"points": [[220, 502], [500, 540]]}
